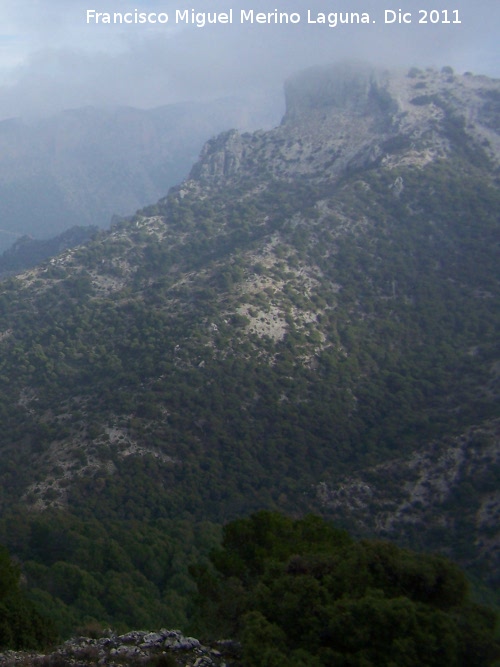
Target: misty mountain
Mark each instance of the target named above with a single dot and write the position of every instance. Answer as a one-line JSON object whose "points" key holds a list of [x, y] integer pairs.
{"points": [[27, 251], [309, 322], [82, 166]]}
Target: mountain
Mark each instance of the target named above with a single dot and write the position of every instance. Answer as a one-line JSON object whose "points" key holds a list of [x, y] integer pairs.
{"points": [[309, 322], [27, 251], [82, 166]]}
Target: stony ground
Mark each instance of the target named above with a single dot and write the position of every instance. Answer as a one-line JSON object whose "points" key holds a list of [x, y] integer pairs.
{"points": [[166, 648]]}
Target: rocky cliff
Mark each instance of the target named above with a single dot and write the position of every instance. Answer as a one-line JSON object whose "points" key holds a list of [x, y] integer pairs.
{"points": [[352, 116]]}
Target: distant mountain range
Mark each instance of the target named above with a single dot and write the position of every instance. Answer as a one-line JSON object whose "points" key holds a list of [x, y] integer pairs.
{"points": [[27, 251], [309, 322], [82, 166]]}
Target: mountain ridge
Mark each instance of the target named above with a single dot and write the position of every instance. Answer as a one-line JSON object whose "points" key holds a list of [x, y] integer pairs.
{"points": [[82, 166], [423, 109]]}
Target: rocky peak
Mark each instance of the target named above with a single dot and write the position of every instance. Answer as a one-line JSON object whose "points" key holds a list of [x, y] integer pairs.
{"points": [[352, 116], [353, 87], [220, 157]]}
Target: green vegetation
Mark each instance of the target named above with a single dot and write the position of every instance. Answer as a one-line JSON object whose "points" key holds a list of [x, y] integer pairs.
{"points": [[21, 626], [293, 591], [90, 574], [301, 592]]}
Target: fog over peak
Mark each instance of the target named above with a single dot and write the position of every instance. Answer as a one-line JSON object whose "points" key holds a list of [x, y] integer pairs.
{"points": [[52, 58]]}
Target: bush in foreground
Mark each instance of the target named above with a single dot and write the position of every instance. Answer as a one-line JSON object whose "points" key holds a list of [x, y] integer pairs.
{"points": [[301, 592]]}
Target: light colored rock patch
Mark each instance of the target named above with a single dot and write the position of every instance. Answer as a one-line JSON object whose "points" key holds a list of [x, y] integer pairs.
{"points": [[271, 324], [105, 284], [488, 515], [155, 226], [26, 397], [412, 158], [416, 491], [77, 457], [119, 437]]}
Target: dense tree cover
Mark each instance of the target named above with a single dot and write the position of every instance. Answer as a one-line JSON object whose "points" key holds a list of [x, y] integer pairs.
{"points": [[87, 574], [301, 592], [21, 625]]}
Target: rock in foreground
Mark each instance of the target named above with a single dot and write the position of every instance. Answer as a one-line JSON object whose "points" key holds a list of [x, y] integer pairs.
{"points": [[165, 648]]}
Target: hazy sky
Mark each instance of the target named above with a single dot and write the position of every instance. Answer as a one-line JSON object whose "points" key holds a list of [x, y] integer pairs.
{"points": [[51, 58]]}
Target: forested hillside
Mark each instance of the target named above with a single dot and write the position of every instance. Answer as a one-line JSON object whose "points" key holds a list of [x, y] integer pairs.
{"points": [[309, 322]]}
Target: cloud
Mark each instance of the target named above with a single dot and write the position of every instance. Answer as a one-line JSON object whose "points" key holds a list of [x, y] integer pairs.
{"points": [[52, 58]]}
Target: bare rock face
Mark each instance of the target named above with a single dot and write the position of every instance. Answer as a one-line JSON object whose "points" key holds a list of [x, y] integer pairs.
{"points": [[221, 157]]}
